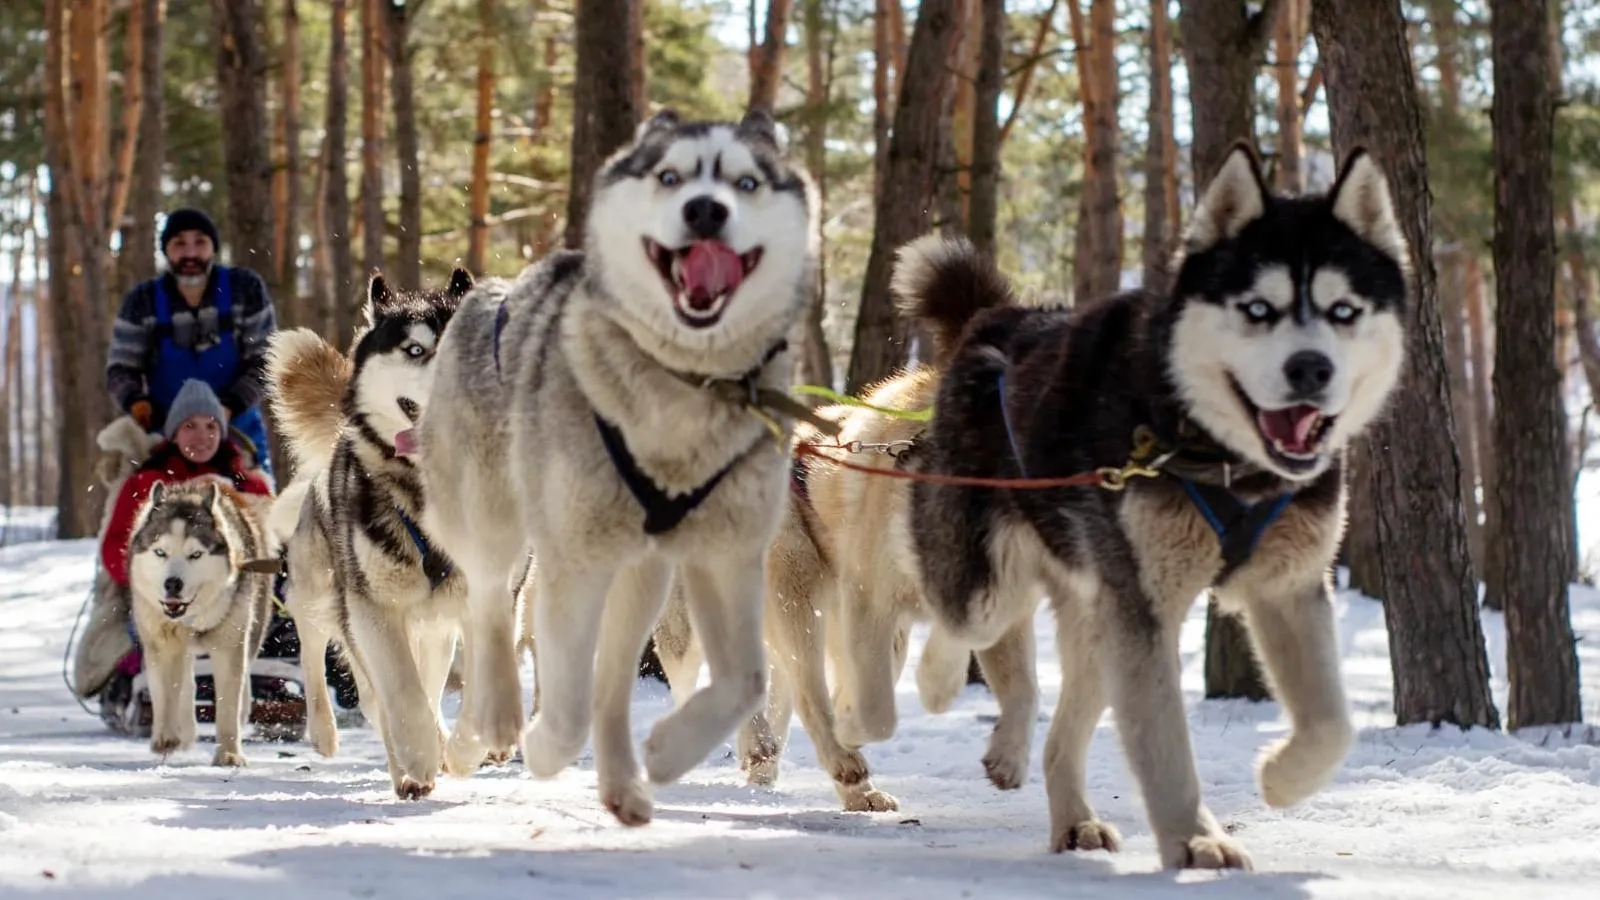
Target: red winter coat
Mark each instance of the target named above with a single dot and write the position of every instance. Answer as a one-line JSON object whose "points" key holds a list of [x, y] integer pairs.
{"points": [[165, 466]]}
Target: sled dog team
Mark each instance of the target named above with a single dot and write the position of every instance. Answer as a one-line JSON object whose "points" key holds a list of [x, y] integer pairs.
{"points": [[601, 450]]}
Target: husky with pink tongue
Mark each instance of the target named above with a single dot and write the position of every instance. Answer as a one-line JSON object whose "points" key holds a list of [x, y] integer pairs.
{"points": [[613, 413], [1221, 411]]}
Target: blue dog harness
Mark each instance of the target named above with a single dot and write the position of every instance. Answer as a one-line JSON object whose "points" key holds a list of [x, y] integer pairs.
{"points": [[217, 366]]}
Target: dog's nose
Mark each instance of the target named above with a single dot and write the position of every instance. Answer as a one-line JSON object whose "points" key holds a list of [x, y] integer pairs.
{"points": [[705, 216], [174, 586], [1308, 372]]}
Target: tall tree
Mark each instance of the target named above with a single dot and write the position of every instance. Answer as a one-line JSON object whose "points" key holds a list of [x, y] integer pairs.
{"points": [[1222, 43], [339, 317], [817, 363], [1161, 156], [242, 80], [1533, 520], [286, 174], [1097, 252], [139, 244], [605, 110], [408, 264], [131, 258], [766, 58], [478, 192], [372, 121], [983, 205], [904, 204], [1287, 36], [1436, 647]]}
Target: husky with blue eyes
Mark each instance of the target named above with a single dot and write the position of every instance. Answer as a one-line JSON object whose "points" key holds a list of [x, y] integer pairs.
{"points": [[618, 413], [1221, 411]]}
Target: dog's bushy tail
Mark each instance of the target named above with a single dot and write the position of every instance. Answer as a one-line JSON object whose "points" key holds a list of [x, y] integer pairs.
{"points": [[308, 380], [942, 282]]}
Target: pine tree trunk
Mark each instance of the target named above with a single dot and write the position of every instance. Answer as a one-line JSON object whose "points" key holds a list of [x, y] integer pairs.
{"points": [[1287, 36], [478, 192], [1534, 516], [766, 58], [372, 127], [1222, 43], [1436, 647], [242, 80], [11, 383], [983, 204], [339, 316], [286, 193], [882, 93], [43, 361], [139, 246], [129, 257], [1160, 155], [1036, 54], [605, 112], [1101, 210], [816, 364], [908, 192], [408, 265]]}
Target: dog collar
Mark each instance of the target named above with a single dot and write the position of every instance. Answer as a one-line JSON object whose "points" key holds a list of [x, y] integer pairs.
{"points": [[764, 403]]}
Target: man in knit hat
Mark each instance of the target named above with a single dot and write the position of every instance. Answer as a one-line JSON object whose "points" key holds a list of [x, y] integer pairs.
{"points": [[200, 320]]}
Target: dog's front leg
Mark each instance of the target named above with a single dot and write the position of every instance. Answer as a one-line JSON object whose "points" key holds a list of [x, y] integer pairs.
{"points": [[168, 669], [1297, 640], [566, 627], [1140, 660], [1009, 668], [725, 607], [868, 663], [410, 729], [230, 668], [1073, 822], [491, 695], [634, 602], [320, 723]]}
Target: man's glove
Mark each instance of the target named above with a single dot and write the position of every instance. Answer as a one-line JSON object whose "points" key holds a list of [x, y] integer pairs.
{"points": [[141, 412]]}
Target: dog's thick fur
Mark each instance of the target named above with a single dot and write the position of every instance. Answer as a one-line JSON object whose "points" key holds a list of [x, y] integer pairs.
{"points": [[190, 595], [1263, 281], [514, 460], [841, 589], [356, 572]]}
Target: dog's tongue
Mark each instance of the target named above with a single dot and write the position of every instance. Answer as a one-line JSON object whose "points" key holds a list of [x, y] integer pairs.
{"points": [[405, 442], [1290, 427], [709, 270]]}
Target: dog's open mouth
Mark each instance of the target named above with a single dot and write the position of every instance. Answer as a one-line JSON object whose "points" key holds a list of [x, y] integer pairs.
{"points": [[175, 607], [702, 277], [1295, 436]]}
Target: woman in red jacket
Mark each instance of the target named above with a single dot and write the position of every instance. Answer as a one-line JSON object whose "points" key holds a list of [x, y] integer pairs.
{"points": [[195, 446]]}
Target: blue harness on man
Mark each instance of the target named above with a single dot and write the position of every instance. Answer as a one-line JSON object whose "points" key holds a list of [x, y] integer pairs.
{"points": [[217, 365]]}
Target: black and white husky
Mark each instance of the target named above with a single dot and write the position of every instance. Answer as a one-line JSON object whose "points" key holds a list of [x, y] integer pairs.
{"points": [[1281, 341]]}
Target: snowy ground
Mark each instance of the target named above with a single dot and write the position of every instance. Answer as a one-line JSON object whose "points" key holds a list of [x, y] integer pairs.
{"points": [[1414, 813]]}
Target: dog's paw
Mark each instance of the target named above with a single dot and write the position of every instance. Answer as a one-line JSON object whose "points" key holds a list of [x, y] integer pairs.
{"points": [[408, 788], [1006, 766], [325, 740], [1292, 770], [1086, 836], [164, 745], [499, 757], [761, 771], [1205, 851], [229, 758], [666, 759], [629, 801], [462, 754], [870, 799], [545, 754]]}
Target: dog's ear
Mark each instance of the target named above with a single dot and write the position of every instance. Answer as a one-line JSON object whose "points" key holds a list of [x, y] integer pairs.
{"points": [[460, 282], [758, 125], [379, 295], [1361, 200], [157, 491], [210, 494], [663, 120], [1236, 197]]}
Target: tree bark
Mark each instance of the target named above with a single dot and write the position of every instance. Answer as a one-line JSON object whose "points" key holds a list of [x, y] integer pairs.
{"points": [[766, 58], [1436, 648], [983, 205], [286, 196], [1287, 36], [408, 264], [130, 132], [372, 122], [1035, 55], [339, 316], [816, 364], [242, 80], [882, 93], [11, 383], [1161, 157], [1097, 259], [1222, 44], [1534, 516], [605, 113], [478, 242], [139, 243], [908, 191]]}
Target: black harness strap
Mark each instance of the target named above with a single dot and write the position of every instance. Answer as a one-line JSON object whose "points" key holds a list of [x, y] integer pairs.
{"points": [[1238, 525], [434, 565], [662, 512], [798, 473]]}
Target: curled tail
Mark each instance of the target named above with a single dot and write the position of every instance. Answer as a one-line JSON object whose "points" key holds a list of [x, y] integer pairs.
{"points": [[308, 380], [942, 282]]}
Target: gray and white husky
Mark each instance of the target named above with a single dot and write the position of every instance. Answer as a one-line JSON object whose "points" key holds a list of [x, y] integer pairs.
{"points": [[594, 412], [1281, 342], [191, 595], [361, 569]]}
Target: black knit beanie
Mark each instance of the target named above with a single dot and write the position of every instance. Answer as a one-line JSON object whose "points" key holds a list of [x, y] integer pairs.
{"points": [[185, 219]]}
